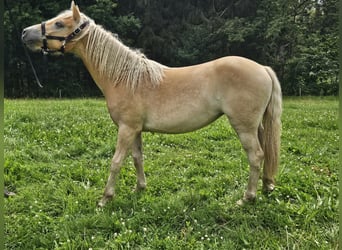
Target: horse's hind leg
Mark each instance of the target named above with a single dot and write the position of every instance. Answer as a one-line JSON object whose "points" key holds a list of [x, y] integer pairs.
{"points": [[255, 154], [126, 136], [138, 163]]}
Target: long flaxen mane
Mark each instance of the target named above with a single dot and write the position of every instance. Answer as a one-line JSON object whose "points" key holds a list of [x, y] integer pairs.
{"points": [[119, 63]]}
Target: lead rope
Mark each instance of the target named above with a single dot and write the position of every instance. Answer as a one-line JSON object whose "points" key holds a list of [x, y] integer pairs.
{"points": [[25, 49], [32, 67]]}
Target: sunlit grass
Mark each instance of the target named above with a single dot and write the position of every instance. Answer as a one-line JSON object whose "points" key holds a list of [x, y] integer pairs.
{"points": [[57, 155]]}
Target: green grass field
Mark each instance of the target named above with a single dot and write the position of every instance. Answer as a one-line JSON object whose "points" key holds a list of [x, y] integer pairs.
{"points": [[57, 156]]}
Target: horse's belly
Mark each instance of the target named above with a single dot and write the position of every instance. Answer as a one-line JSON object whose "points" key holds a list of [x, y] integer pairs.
{"points": [[180, 122]]}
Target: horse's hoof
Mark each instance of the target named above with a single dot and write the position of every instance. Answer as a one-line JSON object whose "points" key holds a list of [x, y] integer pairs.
{"points": [[103, 201], [268, 188], [248, 198], [139, 188], [240, 202], [8, 193], [101, 204], [244, 201]]}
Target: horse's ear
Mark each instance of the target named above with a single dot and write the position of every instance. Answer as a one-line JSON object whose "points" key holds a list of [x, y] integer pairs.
{"points": [[75, 11]]}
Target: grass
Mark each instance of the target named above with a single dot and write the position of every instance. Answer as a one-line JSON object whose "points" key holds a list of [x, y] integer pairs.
{"points": [[57, 155]]}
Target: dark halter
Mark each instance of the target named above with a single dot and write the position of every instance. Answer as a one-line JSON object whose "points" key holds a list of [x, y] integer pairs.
{"points": [[63, 39]]}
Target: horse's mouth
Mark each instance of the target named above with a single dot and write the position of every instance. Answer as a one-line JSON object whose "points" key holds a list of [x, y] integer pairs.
{"points": [[31, 44], [28, 42]]}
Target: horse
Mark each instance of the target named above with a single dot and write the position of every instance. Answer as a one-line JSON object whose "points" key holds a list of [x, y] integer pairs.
{"points": [[143, 95]]}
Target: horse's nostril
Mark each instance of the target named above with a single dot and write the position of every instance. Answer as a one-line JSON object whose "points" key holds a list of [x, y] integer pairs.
{"points": [[23, 33]]}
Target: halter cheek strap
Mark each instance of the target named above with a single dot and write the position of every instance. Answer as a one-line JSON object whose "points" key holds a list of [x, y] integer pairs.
{"points": [[63, 39]]}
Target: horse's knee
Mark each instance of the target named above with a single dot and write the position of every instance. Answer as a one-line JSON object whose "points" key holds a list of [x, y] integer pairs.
{"points": [[115, 166]]}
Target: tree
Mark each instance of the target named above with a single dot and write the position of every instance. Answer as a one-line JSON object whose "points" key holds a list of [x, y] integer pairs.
{"points": [[298, 38]]}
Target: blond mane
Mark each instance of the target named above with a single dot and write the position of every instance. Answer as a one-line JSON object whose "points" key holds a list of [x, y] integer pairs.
{"points": [[119, 63]]}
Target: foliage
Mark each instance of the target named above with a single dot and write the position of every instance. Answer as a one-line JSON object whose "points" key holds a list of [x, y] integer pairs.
{"points": [[297, 38], [57, 163]]}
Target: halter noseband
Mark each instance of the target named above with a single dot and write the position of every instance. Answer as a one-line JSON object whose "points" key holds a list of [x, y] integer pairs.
{"points": [[63, 39]]}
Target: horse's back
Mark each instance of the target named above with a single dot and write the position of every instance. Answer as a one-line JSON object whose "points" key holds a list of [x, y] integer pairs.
{"points": [[228, 79], [230, 71]]}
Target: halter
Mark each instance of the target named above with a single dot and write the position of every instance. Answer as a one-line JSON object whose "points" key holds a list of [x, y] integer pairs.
{"points": [[46, 50]]}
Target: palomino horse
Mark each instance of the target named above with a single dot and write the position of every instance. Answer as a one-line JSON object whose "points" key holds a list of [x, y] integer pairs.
{"points": [[143, 95]]}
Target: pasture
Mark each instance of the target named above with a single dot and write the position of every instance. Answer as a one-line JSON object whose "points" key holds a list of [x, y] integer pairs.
{"points": [[57, 157]]}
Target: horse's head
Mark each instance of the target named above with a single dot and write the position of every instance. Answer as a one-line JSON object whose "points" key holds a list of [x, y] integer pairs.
{"points": [[57, 34]]}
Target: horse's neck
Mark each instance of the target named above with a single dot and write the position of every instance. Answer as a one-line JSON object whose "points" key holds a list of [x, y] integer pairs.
{"points": [[80, 51], [117, 64]]}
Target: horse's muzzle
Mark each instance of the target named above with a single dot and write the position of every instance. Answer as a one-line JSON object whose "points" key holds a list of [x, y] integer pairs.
{"points": [[31, 37]]}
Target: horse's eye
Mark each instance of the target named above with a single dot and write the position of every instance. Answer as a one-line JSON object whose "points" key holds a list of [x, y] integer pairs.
{"points": [[59, 24]]}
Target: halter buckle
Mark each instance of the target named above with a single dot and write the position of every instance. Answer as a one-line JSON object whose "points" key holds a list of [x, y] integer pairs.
{"points": [[78, 30]]}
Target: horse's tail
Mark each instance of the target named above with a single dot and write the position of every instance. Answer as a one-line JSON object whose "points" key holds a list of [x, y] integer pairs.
{"points": [[270, 135]]}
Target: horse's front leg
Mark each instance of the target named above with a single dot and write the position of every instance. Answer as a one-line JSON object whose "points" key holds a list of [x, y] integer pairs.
{"points": [[126, 136], [138, 162]]}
